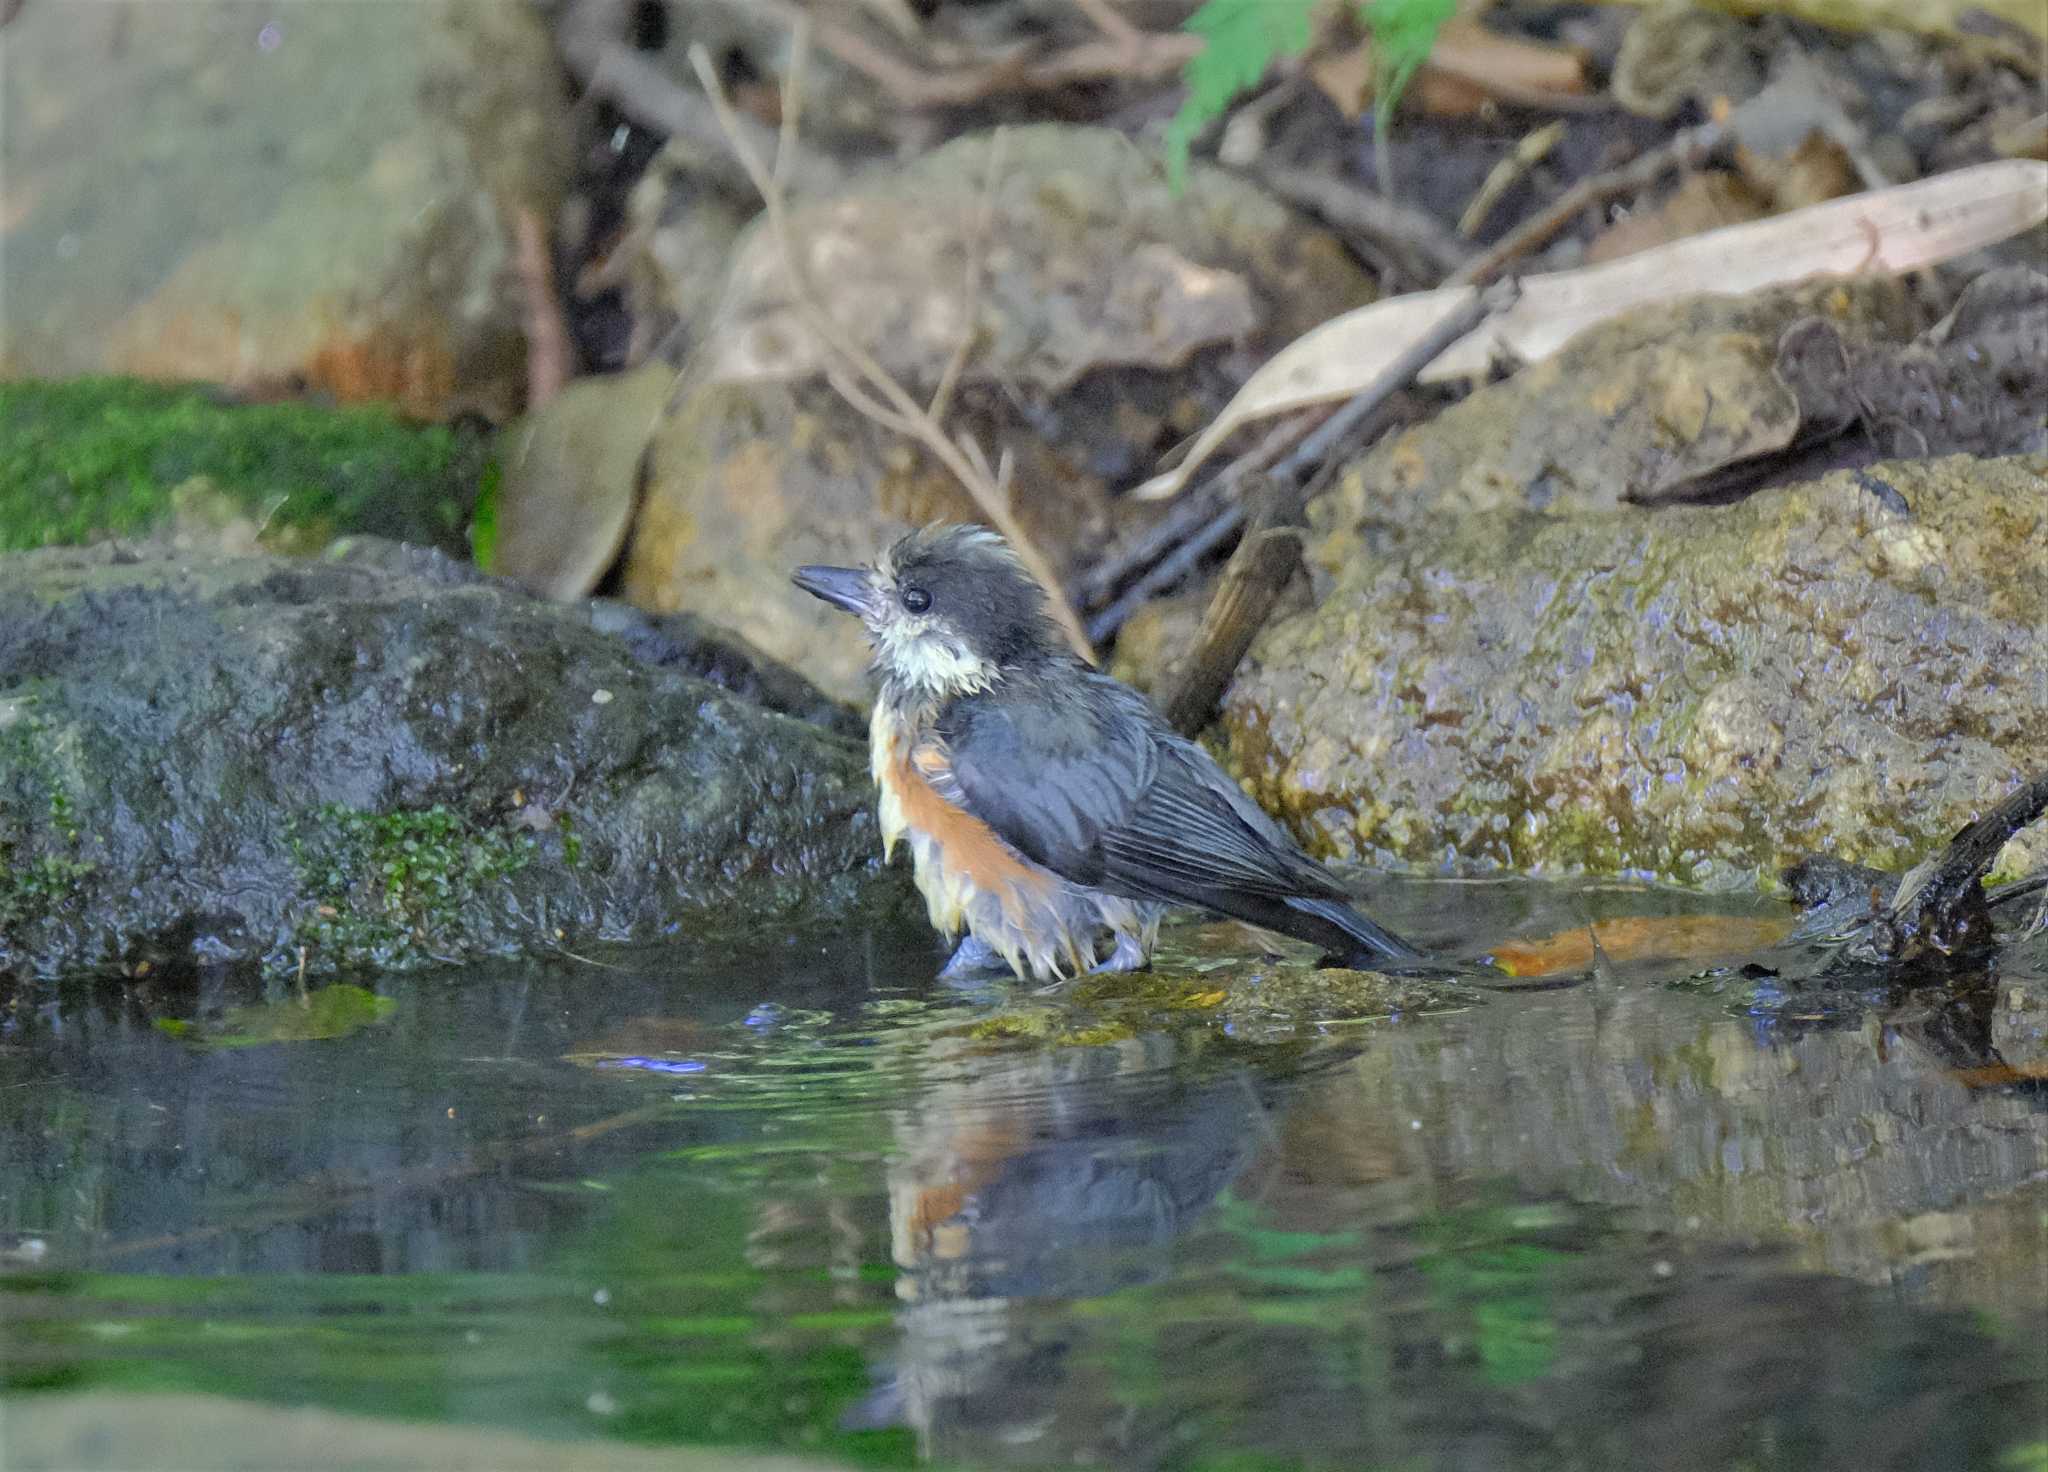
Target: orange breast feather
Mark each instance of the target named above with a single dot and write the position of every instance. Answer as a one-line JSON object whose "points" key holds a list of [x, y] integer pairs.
{"points": [[958, 857]]}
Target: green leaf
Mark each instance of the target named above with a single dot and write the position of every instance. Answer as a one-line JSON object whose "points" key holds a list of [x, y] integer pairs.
{"points": [[1244, 36], [1403, 32]]}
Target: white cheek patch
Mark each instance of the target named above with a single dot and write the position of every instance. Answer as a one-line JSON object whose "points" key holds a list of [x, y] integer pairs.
{"points": [[917, 654]]}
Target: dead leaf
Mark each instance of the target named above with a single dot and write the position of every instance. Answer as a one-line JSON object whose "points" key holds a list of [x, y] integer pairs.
{"points": [[1878, 233], [1641, 938], [1511, 68], [571, 478], [1345, 77]]}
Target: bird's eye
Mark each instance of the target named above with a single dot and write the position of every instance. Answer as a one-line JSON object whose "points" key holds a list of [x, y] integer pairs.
{"points": [[917, 600]]}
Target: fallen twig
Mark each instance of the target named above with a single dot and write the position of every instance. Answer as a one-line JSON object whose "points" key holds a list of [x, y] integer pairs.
{"points": [[550, 359], [1258, 573], [1687, 149], [970, 296], [1193, 511], [1504, 175], [591, 33], [1426, 250], [1309, 455], [860, 378], [1141, 56]]}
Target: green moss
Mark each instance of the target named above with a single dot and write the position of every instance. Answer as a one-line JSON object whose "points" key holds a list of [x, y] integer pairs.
{"points": [[1206, 997], [38, 876], [483, 525], [33, 888], [96, 457], [383, 886]]}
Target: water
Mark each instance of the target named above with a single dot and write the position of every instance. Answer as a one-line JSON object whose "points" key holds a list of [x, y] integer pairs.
{"points": [[802, 1197]]}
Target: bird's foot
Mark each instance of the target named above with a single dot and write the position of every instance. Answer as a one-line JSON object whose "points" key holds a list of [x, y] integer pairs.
{"points": [[1129, 955], [974, 960]]}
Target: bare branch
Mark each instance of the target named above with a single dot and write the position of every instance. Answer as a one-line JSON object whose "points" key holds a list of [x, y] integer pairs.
{"points": [[900, 413], [970, 295], [1145, 56]]}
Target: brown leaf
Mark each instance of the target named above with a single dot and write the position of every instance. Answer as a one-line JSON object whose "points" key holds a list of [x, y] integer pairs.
{"points": [[1642, 937]]}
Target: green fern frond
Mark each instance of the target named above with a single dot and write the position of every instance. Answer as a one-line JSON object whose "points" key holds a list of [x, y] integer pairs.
{"points": [[1243, 38], [1403, 33]]}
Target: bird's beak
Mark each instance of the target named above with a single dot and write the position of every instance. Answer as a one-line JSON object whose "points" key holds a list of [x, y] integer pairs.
{"points": [[842, 587]]}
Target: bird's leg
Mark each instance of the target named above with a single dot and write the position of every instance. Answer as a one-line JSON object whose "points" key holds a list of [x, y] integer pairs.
{"points": [[974, 959], [1129, 955]]}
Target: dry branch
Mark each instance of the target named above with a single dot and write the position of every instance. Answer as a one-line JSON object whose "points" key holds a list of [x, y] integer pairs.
{"points": [[1141, 56], [1310, 455], [859, 377], [550, 356], [1883, 232], [591, 34]]}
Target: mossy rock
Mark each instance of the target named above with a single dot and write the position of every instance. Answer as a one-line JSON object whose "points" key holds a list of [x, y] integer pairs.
{"points": [[380, 758], [1853, 666]]}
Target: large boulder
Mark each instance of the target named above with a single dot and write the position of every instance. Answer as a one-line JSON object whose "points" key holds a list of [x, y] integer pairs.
{"points": [[325, 194], [1110, 319], [382, 758], [1856, 665]]}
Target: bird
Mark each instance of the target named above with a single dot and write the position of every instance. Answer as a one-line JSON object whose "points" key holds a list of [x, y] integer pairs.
{"points": [[1052, 815]]}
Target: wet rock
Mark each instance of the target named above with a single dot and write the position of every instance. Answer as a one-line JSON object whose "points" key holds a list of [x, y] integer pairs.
{"points": [[384, 759], [323, 194], [1699, 693], [103, 457], [1112, 319], [696, 646]]}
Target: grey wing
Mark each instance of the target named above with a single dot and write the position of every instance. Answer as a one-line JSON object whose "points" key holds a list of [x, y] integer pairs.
{"points": [[1048, 773], [1194, 836], [1098, 789]]}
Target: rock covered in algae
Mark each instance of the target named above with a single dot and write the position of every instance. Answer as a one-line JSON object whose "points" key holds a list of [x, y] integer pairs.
{"points": [[385, 759], [1698, 694]]}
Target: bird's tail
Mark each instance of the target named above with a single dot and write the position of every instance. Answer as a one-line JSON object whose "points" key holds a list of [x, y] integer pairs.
{"points": [[1349, 933]]}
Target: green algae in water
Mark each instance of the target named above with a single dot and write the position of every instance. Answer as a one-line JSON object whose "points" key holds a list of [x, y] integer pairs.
{"points": [[90, 458], [321, 1015]]}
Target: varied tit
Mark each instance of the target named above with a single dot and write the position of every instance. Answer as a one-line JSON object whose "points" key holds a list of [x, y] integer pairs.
{"points": [[1052, 815]]}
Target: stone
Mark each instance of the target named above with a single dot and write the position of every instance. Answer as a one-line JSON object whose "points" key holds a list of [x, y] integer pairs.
{"points": [[572, 478], [380, 758], [1631, 410], [1701, 694], [320, 195]]}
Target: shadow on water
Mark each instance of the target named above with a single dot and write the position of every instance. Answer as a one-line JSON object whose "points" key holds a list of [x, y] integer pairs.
{"points": [[799, 1196]]}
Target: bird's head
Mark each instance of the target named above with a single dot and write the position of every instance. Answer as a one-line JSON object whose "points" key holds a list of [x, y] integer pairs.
{"points": [[950, 611]]}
